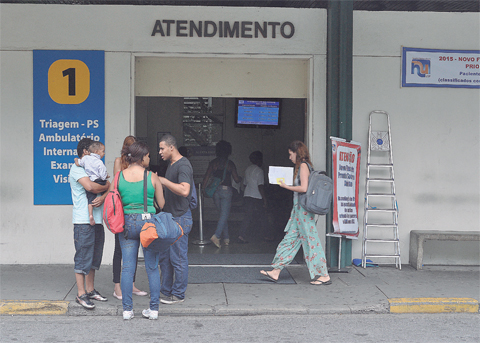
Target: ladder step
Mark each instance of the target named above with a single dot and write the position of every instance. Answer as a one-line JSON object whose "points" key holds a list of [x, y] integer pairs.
{"points": [[380, 180], [380, 195], [383, 225], [380, 165], [382, 240], [382, 210], [393, 256]]}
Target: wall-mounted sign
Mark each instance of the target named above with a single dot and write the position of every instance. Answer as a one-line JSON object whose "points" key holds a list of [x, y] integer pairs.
{"points": [[346, 172], [440, 68], [68, 105], [223, 29]]}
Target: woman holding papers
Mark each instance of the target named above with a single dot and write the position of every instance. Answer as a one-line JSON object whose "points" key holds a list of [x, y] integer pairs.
{"points": [[300, 229]]}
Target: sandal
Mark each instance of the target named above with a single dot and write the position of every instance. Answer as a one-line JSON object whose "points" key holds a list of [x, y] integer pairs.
{"points": [[317, 282], [268, 275]]}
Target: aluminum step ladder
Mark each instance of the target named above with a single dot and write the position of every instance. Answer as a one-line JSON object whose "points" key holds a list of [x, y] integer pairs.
{"points": [[381, 240]]}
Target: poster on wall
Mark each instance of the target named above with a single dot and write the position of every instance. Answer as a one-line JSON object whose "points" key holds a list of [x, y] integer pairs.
{"points": [[68, 105], [346, 172], [440, 68]]}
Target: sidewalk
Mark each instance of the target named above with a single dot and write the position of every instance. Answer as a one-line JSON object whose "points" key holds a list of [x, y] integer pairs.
{"points": [[51, 289]]}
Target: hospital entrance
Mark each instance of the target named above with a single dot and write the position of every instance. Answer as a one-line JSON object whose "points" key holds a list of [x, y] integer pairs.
{"points": [[202, 101]]}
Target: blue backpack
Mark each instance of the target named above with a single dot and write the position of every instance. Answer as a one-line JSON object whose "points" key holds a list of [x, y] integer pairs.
{"points": [[159, 232], [318, 197]]}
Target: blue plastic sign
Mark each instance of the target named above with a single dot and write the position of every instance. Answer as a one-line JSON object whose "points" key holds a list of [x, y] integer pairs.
{"points": [[68, 105]]}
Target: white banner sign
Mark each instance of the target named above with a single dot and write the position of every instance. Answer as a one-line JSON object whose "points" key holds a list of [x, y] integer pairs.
{"points": [[440, 68], [346, 172]]}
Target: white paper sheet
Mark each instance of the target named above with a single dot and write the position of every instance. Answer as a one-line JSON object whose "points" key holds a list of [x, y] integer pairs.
{"points": [[277, 174]]}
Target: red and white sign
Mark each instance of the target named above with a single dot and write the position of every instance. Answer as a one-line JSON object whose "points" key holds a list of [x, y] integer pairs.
{"points": [[346, 172]]}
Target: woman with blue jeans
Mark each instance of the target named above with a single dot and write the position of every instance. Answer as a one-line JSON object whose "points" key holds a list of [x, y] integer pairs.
{"points": [[131, 188], [224, 169]]}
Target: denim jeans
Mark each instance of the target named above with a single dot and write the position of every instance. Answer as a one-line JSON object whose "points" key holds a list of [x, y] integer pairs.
{"points": [[174, 261], [129, 242], [117, 261], [223, 201], [88, 242]]}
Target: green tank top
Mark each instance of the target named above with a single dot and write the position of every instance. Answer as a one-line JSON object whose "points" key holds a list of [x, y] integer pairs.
{"points": [[132, 195]]}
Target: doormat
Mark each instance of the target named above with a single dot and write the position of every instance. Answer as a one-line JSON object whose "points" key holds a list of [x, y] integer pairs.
{"points": [[245, 275], [232, 259]]}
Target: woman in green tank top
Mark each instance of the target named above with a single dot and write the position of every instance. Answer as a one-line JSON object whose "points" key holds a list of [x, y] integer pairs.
{"points": [[131, 188]]}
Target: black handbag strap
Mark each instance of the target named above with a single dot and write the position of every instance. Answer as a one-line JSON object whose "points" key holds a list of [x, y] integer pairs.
{"points": [[225, 171], [145, 191]]}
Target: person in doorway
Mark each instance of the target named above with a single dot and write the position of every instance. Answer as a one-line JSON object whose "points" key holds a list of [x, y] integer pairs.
{"points": [[131, 189], [178, 183], [301, 228], [254, 196], [224, 169], [89, 239], [95, 169], [119, 165]]}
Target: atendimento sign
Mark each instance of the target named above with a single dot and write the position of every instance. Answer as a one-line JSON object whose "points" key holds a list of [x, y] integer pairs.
{"points": [[223, 29]]}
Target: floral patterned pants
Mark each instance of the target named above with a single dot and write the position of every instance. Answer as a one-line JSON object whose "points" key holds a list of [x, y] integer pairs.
{"points": [[301, 230]]}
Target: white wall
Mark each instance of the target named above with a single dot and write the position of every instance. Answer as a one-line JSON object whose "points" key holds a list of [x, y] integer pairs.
{"points": [[435, 131], [43, 234]]}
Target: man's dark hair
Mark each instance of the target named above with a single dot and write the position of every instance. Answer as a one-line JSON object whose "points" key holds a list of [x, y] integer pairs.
{"points": [[84, 144], [169, 140]]}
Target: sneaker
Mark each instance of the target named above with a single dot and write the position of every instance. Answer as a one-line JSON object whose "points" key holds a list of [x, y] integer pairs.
{"points": [[150, 314], [226, 242], [127, 315], [96, 296], [84, 300], [171, 300], [164, 298]]}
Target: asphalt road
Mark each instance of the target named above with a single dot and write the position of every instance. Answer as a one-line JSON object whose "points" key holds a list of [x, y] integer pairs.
{"points": [[422, 328]]}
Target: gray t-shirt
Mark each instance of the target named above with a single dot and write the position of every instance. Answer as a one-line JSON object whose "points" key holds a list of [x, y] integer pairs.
{"points": [[180, 171]]}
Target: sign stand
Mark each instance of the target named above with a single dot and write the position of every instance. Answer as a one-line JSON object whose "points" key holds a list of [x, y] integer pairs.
{"points": [[339, 269]]}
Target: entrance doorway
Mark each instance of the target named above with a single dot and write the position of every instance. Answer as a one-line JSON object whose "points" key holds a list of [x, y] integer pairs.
{"points": [[200, 120]]}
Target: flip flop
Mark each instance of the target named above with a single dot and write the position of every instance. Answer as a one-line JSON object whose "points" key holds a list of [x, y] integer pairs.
{"points": [[322, 283], [268, 275]]}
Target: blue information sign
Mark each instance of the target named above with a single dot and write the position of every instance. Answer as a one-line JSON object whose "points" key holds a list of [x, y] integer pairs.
{"points": [[68, 105]]}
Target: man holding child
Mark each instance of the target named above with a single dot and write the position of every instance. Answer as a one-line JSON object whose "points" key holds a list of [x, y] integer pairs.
{"points": [[89, 239]]}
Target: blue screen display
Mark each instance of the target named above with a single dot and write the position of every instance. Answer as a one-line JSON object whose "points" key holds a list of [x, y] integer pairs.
{"points": [[258, 112]]}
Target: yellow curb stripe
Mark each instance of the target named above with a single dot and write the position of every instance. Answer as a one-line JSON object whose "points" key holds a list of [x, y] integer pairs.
{"points": [[38, 307], [433, 305]]}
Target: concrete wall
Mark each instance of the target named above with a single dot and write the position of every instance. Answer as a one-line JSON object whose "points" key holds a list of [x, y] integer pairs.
{"points": [[43, 234], [435, 131]]}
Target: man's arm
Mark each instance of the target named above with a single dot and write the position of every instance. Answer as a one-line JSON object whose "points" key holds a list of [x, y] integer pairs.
{"points": [[182, 188], [93, 187]]}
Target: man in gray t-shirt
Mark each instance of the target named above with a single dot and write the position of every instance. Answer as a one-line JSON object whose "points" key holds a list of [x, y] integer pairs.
{"points": [[178, 185]]}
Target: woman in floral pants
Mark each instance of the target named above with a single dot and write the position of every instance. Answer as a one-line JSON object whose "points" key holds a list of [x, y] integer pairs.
{"points": [[301, 229]]}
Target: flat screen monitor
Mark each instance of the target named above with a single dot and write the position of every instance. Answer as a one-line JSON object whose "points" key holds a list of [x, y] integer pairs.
{"points": [[258, 113]]}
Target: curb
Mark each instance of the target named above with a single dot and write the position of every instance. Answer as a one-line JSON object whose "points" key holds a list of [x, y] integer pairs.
{"points": [[33, 307], [433, 305]]}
